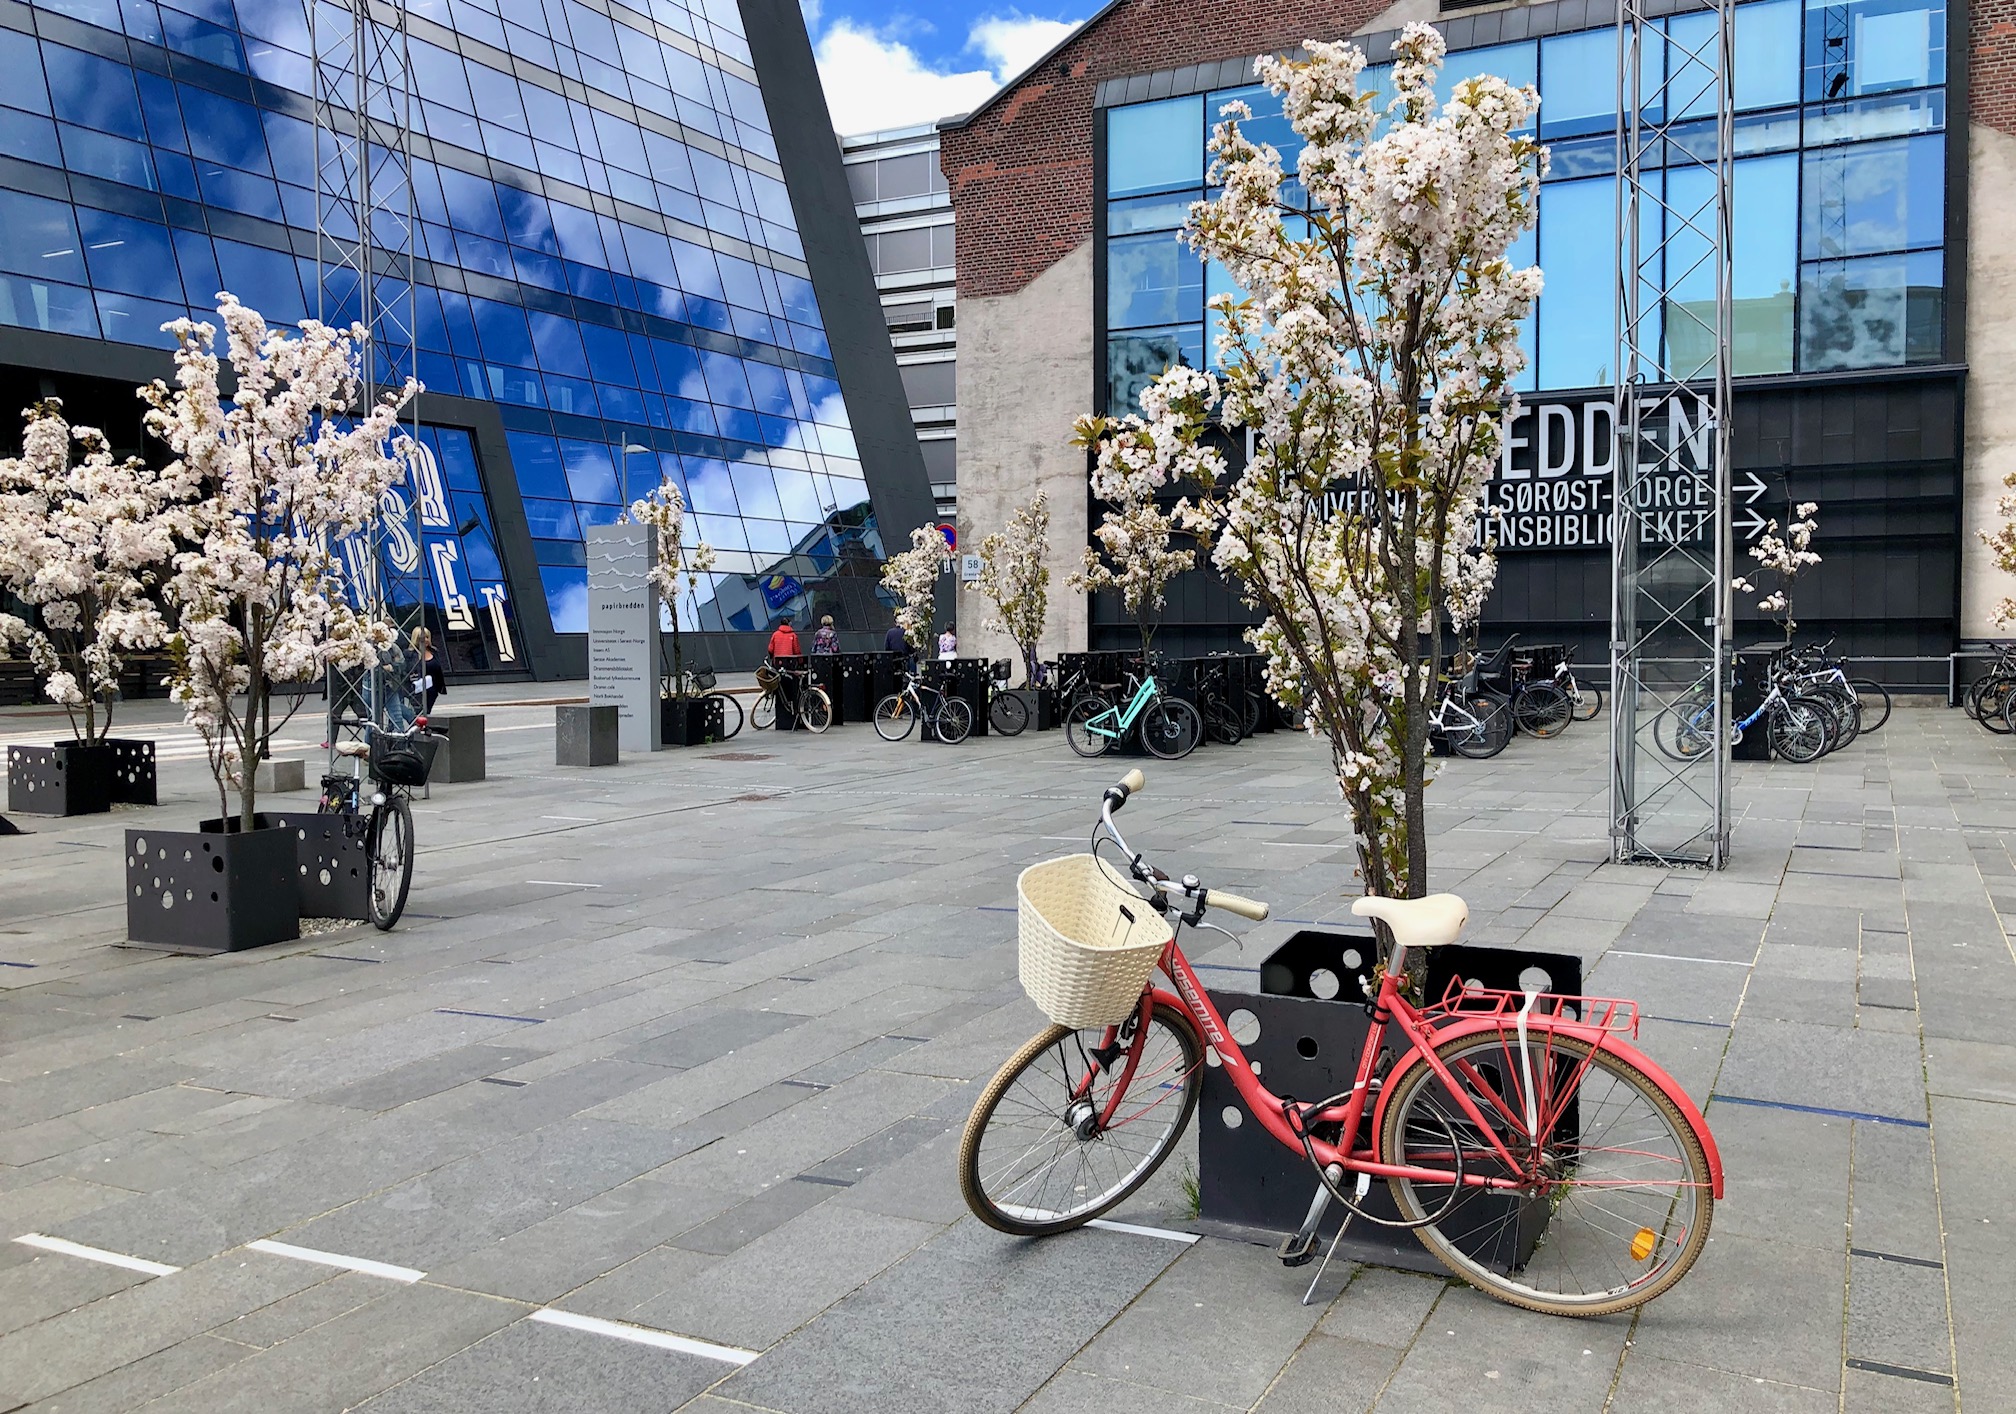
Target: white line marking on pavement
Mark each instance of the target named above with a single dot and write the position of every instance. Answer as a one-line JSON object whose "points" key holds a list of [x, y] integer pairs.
{"points": [[1186, 1238], [336, 1259], [523, 727], [576, 819], [1670, 957], [1291, 844], [95, 1254], [563, 883], [645, 1335]]}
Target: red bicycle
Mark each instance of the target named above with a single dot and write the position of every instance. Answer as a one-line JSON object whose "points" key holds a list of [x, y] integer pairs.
{"points": [[1526, 1143]]}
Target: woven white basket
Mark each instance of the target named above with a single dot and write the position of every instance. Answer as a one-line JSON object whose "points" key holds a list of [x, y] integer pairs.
{"points": [[1088, 942]]}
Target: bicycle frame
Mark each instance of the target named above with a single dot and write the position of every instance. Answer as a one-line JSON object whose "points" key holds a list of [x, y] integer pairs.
{"points": [[1123, 719]]}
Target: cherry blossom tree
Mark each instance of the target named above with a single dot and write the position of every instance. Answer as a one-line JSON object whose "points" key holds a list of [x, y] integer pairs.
{"points": [[84, 538], [288, 468], [1783, 554], [1370, 356], [1137, 555], [912, 576], [1014, 576], [2002, 542], [677, 570]]}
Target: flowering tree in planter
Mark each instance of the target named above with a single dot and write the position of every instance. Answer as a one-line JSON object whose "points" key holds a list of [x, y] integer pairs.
{"points": [[83, 538], [1371, 355], [912, 576], [677, 569], [1137, 556], [286, 473], [1783, 554], [1014, 576]]}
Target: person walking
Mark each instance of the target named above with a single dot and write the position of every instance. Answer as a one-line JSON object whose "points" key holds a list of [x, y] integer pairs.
{"points": [[784, 639], [948, 645], [430, 676], [826, 640]]}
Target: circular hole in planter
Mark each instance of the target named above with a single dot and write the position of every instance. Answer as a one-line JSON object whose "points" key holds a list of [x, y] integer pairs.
{"points": [[1243, 1025], [1536, 979], [157, 881], [213, 896], [1353, 959], [1211, 1056], [326, 877], [1232, 1116], [301, 834], [140, 843], [168, 899], [1256, 1067], [217, 863], [303, 870], [1323, 984], [188, 896], [187, 856], [1306, 1048], [161, 853]]}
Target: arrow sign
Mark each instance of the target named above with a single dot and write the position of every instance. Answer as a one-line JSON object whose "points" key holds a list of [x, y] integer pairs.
{"points": [[1751, 487], [1749, 525]]}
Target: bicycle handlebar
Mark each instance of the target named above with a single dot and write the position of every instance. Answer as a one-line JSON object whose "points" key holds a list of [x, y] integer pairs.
{"points": [[1188, 886]]}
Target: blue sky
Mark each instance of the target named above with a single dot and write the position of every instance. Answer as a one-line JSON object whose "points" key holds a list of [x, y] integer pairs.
{"points": [[894, 63]]}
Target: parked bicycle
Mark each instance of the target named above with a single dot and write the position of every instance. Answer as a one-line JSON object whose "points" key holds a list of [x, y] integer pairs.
{"points": [[792, 689], [1585, 700], [1539, 707], [1474, 723], [1228, 719], [1802, 729], [394, 763], [898, 714], [700, 682], [1007, 713], [1505, 1112], [1170, 727]]}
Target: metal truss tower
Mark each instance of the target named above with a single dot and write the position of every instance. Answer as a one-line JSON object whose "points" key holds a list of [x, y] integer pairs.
{"points": [[1669, 638], [365, 243]]}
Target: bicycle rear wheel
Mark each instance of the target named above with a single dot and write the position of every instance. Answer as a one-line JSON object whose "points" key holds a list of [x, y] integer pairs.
{"points": [[1256, 704], [1875, 700], [763, 715], [731, 714], [1541, 709], [1223, 722], [1616, 1197], [1171, 729], [955, 720], [1078, 732], [894, 717], [1801, 730], [1686, 728], [815, 710], [391, 848], [1488, 736], [1036, 1158], [1008, 714]]}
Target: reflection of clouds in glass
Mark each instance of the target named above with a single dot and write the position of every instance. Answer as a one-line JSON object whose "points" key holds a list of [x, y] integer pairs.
{"points": [[567, 601]]}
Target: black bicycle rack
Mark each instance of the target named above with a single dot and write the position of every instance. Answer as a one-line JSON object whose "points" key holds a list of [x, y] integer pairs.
{"points": [[1311, 1017]]}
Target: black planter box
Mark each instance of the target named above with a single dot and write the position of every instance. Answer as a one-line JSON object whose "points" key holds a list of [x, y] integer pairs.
{"points": [[827, 673], [1254, 1187], [689, 721], [332, 863], [66, 778], [215, 890], [1046, 713], [857, 699]]}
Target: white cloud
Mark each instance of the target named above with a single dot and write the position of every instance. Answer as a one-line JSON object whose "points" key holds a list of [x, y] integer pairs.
{"points": [[875, 81]]}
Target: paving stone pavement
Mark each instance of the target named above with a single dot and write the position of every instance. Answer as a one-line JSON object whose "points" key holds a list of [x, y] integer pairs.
{"points": [[685, 1045]]}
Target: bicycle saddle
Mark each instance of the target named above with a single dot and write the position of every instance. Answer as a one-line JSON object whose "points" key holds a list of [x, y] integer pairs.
{"points": [[1417, 922]]}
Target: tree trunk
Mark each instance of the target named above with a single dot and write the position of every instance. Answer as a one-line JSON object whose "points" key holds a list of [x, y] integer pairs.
{"points": [[248, 759]]}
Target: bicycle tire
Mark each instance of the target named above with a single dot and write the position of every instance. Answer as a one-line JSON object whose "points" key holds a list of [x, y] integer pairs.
{"points": [[1171, 1062], [1847, 714], [1542, 710], [390, 846], [763, 715], [1676, 731], [1970, 700], [731, 714], [1801, 730], [1875, 700], [1488, 737], [1007, 714], [1291, 718], [1490, 1065], [1171, 729], [894, 720], [954, 721], [815, 710], [1077, 726], [1588, 702], [1222, 724], [1256, 707], [1991, 701]]}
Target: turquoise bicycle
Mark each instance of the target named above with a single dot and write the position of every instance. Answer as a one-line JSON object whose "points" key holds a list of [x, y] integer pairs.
{"points": [[1170, 727]]}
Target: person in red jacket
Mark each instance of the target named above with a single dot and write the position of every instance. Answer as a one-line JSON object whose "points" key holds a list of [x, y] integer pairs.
{"points": [[784, 639]]}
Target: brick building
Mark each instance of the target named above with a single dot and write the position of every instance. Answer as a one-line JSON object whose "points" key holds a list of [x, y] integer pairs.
{"points": [[1872, 342]]}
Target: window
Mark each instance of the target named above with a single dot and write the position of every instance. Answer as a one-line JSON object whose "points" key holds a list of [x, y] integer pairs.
{"points": [[1152, 280], [93, 92], [930, 384], [900, 251], [1578, 231], [1267, 125], [1155, 146], [129, 255], [1856, 47], [941, 459], [907, 318], [1874, 197], [1877, 312], [1133, 361]]}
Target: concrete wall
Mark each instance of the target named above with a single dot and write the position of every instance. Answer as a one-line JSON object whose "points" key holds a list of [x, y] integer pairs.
{"points": [[1991, 371], [1026, 361]]}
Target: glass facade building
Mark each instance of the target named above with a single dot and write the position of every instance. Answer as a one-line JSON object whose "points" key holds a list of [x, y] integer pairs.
{"points": [[612, 283], [1840, 209]]}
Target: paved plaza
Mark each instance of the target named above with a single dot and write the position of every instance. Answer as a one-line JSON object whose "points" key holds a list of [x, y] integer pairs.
{"points": [[685, 1044]]}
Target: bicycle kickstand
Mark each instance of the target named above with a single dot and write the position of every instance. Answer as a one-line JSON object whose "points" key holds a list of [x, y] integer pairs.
{"points": [[1296, 1250]]}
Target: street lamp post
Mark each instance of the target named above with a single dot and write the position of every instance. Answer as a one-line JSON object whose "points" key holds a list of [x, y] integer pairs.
{"points": [[628, 448]]}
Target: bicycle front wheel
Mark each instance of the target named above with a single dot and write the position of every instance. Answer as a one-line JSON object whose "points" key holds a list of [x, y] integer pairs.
{"points": [[1039, 1154], [1685, 729], [391, 847], [731, 714], [1486, 735], [1801, 730], [1615, 1195], [1171, 729], [815, 710], [1875, 700], [1078, 730], [763, 715], [894, 717], [1541, 709], [1008, 714], [1588, 702], [955, 720], [1223, 722]]}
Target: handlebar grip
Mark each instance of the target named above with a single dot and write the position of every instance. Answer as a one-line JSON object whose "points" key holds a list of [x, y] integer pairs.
{"points": [[1134, 782], [1233, 903]]}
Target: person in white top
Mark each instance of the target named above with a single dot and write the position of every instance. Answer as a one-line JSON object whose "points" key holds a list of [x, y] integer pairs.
{"points": [[948, 645]]}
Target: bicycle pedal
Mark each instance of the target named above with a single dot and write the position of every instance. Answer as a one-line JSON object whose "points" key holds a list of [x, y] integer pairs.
{"points": [[1297, 1249]]}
